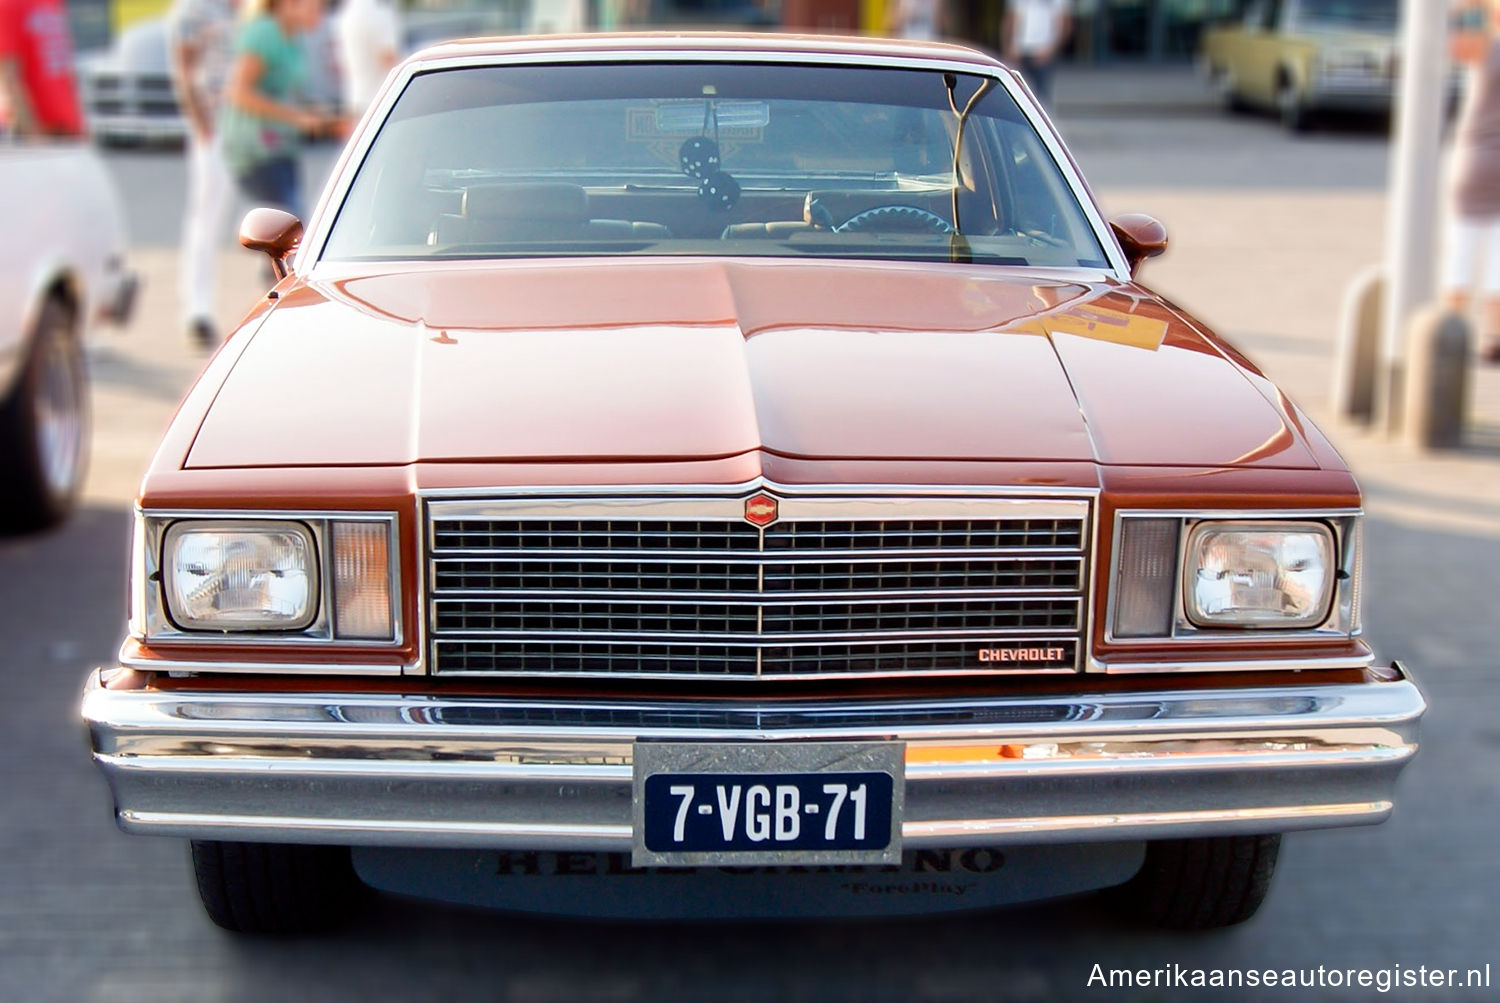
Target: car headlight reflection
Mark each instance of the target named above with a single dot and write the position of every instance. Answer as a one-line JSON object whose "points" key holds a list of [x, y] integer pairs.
{"points": [[234, 577], [1259, 576]]}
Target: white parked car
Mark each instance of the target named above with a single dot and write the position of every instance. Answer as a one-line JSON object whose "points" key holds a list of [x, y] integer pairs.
{"points": [[127, 90], [66, 274], [129, 96]]}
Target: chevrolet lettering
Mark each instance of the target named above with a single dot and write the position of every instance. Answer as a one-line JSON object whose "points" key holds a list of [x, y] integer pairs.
{"points": [[1022, 654], [616, 472]]}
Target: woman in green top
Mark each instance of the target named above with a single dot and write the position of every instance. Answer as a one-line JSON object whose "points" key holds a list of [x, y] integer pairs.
{"points": [[264, 120]]}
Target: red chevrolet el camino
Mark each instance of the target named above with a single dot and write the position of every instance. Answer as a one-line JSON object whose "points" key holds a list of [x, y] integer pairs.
{"points": [[751, 455]]}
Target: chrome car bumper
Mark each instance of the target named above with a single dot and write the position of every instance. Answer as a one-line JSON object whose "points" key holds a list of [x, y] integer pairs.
{"points": [[1349, 92], [403, 770], [129, 128], [1362, 94]]}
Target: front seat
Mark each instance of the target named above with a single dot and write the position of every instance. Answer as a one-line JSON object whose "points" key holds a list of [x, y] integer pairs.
{"points": [[533, 212]]}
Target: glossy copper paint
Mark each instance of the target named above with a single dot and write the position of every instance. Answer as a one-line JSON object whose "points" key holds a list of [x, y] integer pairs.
{"points": [[1267, 455], [273, 232], [1140, 236], [362, 386], [684, 359]]}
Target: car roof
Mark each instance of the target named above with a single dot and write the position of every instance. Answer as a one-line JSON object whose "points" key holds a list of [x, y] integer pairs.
{"points": [[718, 44]]}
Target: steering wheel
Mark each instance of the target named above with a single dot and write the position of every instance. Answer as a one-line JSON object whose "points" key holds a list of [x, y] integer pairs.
{"points": [[896, 218]]}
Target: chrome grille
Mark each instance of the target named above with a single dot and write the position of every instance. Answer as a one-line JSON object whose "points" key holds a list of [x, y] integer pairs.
{"points": [[696, 590], [462, 575], [593, 535]]}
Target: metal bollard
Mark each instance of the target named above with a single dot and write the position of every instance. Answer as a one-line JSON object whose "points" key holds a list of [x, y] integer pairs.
{"points": [[1437, 380], [1359, 346]]}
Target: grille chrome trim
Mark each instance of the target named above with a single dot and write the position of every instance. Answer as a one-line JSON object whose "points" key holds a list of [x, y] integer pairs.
{"points": [[612, 587]]}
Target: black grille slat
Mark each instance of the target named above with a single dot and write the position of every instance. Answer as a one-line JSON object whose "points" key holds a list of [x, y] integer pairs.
{"points": [[915, 658], [705, 578], [923, 576], [594, 535], [589, 618], [615, 658], [610, 658], [725, 599], [605, 576], [989, 534], [909, 618], [741, 620]]}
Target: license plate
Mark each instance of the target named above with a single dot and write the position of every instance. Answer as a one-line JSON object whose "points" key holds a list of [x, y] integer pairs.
{"points": [[768, 803]]}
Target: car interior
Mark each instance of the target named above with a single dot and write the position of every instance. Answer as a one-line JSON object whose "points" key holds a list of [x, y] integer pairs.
{"points": [[660, 176]]}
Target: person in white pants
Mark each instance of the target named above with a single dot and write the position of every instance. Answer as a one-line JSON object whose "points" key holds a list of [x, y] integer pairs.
{"points": [[369, 35], [201, 34], [922, 20]]}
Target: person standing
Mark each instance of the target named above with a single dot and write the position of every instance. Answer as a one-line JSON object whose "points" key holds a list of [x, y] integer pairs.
{"points": [[918, 19], [1474, 224], [369, 37], [264, 118], [201, 44], [36, 69], [1034, 34]]}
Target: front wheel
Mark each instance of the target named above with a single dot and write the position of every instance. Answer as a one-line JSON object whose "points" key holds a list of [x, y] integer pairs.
{"points": [[1222, 82], [1293, 113], [44, 425], [1201, 884], [275, 888]]}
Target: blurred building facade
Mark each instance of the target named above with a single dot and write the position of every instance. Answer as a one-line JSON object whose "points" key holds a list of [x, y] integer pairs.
{"points": [[1105, 31], [1152, 31], [1142, 31]]}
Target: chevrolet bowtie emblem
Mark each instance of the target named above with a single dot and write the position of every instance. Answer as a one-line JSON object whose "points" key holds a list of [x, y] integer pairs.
{"points": [[760, 510]]}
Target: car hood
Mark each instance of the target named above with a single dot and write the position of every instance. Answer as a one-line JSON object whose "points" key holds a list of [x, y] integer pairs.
{"points": [[662, 359]]}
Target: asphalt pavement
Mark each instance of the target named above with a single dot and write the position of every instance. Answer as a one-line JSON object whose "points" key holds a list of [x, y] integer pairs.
{"points": [[1267, 229]]}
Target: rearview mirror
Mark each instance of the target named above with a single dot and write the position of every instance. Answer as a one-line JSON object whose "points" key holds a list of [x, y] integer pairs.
{"points": [[1140, 237], [275, 233], [696, 117]]}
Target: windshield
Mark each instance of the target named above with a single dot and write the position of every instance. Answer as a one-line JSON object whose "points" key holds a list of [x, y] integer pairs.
{"points": [[1365, 15], [710, 159]]}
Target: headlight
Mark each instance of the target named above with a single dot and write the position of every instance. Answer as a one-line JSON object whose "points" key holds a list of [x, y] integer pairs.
{"points": [[1267, 576], [233, 577]]}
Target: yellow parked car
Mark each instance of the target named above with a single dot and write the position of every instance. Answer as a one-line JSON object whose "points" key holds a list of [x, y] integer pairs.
{"points": [[1301, 57]]}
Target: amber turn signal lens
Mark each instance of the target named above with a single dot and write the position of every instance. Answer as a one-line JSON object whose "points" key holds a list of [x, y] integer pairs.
{"points": [[362, 585], [1147, 576]]}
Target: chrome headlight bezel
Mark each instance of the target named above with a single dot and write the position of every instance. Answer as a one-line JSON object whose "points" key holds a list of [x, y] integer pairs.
{"points": [[1162, 613], [152, 621]]}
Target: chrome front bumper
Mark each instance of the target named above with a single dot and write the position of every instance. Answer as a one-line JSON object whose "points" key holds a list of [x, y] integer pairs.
{"points": [[138, 128], [391, 770]]}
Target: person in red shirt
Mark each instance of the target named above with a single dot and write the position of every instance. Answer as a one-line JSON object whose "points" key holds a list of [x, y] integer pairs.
{"points": [[36, 69]]}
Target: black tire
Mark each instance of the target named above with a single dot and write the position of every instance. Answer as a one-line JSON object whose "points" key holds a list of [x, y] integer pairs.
{"points": [[1201, 884], [1294, 115], [275, 888], [44, 425], [1223, 85]]}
